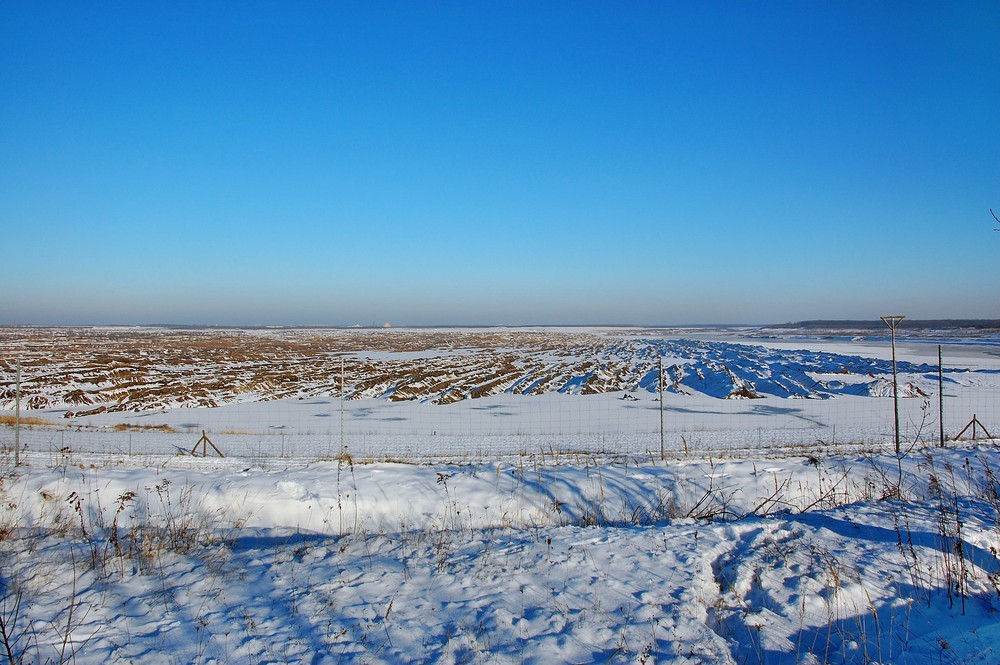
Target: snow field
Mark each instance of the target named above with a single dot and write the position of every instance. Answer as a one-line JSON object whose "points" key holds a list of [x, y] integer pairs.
{"points": [[504, 426], [265, 392], [794, 560], [513, 528]]}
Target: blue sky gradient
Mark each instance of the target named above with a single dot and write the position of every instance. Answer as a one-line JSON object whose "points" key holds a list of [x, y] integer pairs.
{"points": [[498, 163]]}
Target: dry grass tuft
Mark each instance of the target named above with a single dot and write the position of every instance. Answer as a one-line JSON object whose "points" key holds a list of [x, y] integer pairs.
{"points": [[9, 420], [124, 427]]}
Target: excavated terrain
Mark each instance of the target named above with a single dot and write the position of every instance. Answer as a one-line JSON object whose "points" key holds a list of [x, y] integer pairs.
{"points": [[84, 371]]}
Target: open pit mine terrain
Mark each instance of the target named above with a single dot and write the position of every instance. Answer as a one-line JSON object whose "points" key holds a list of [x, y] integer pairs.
{"points": [[78, 372]]}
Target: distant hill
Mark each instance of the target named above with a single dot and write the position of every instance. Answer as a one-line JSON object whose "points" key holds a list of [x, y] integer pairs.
{"points": [[877, 324]]}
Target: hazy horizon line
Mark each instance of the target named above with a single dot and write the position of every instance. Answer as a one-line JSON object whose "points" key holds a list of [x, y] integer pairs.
{"points": [[982, 323]]}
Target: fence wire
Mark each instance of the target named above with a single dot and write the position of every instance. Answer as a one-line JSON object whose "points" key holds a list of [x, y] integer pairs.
{"points": [[337, 417]]}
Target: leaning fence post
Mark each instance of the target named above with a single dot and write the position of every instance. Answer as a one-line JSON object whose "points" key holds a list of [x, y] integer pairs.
{"points": [[205, 442]]}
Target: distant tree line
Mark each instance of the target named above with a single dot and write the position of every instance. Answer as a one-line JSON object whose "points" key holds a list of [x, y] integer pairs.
{"points": [[913, 324]]}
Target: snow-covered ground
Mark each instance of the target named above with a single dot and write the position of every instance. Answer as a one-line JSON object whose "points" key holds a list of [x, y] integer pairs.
{"points": [[520, 528], [432, 393], [579, 559]]}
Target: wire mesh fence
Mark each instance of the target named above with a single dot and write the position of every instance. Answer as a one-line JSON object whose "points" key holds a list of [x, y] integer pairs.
{"points": [[306, 396], [506, 425]]}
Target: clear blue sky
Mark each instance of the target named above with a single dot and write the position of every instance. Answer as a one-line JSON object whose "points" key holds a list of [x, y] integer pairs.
{"points": [[498, 162]]}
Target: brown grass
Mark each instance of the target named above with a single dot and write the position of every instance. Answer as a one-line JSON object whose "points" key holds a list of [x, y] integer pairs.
{"points": [[102, 371], [9, 420], [124, 427]]}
